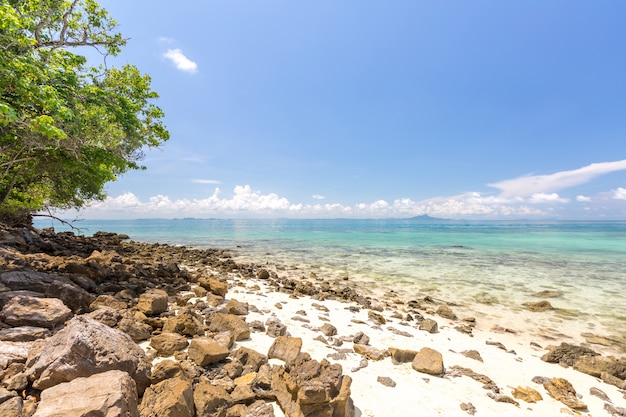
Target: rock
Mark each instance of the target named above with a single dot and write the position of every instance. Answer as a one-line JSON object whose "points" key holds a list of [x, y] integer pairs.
{"points": [[235, 307], [153, 302], [26, 280], [370, 352], [33, 311], [386, 381], [599, 393], [376, 317], [166, 369], [538, 306], [204, 351], [595, 365], [500, 398], [167, 344], [328, 329], [446, 312], [83, 348], [285, 348], [361, 339], [312, 388], [259, 409], [250, 359], [567, 354], [169, 398], [137, 330], [562, 390], [488, 383], [468, 408], [106, 315], [615, 411], [109, 302], [613, 380], [220, 322], [263, 274], [275, 328], [72, 295], [472, 354], [401, 355], [429, 325], [185, 323], [24, 334], [527, 394], [428, 361], [13, 352], [210, 399], [215, 286], [12, 407], [548, 294], [107, 394]]}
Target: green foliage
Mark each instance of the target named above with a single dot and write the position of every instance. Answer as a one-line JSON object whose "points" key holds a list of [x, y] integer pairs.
{"points": [[67, 128]]}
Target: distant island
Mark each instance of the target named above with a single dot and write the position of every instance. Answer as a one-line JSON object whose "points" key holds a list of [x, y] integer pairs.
{"points": [[427, 218]]}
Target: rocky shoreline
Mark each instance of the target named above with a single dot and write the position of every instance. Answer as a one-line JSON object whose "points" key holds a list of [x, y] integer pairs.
{"points": [[105, 326]]}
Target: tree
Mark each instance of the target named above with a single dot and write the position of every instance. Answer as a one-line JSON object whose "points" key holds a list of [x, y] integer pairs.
{"points": [[67, 127]]}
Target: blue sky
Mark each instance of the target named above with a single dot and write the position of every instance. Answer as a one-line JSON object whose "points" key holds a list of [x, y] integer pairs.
{"points": [[481, 109]]}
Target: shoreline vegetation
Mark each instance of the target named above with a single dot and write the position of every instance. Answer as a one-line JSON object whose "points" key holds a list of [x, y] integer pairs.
{"points": [[160, 330]]}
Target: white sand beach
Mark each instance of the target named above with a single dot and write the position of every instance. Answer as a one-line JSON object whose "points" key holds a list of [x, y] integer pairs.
{"points": [[509, 360]]}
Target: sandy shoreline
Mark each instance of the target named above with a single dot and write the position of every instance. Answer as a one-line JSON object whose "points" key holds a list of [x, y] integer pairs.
{"points": [[510, 360]]}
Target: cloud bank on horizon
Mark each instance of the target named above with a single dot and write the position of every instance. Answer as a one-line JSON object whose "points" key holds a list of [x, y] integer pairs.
{"points": [[524, 197]]}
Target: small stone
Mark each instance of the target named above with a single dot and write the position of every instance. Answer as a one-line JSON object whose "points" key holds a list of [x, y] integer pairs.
{"points": [[446, 312], [562, 390], [376, 317], [386, 381], [370, 352], [328, 329], [361, 338], [472, 354], [263, 274], [539, 306], [401, 355], [527, 394], [468, 408], [429, 325], [599, 393]]}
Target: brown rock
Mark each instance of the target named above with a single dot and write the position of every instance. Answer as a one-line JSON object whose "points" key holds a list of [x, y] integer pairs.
{"points": [[370, 352], [567, 354], [328, 329], [285, 348], [166, 369], [428, 361], [361, 338], [446, 312], [12, 407], [386, 381], [34, 311], [401, 355], [169, 398], [108, 301], [235, 307], [136, 329], [107, 394], [488, 383], [376, 317], [539, 306], [595, 365], [275, 328], [527, 394], [153, 302], [205, 351], [468, 408], [106, 315], [210, 399], [215, 286], [83, 348], [429, 325], [562, 390], [185, 323], [24, 334], [263, 274], [167, 344], [249, 358], [220, 322], [613, 380], [472, 354]]}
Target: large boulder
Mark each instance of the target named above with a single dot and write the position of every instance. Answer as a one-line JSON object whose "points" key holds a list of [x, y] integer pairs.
{"points": [[35, 311], [167, 344], [107, 394], [428, 361], [26, 280], [83, 348]]}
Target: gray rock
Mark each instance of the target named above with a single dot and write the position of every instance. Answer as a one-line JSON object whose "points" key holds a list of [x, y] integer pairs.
{"points": [[26, 280], [24, 334], [83, 348], [429, 325], [107, 394], [275, 328], [34, 311], [13, 352]]}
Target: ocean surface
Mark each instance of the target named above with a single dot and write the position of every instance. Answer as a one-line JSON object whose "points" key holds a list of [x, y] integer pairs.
{"points": [[489, 269]]}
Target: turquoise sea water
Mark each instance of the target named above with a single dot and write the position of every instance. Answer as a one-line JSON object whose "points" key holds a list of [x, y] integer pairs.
{"points": [[488, 267]]}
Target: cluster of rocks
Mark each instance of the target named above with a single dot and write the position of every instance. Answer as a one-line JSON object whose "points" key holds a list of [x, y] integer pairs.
{"points": [[74, 311]]}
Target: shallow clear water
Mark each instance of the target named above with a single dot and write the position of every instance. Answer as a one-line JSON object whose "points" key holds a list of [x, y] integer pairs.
{"points": [[478, 264]]}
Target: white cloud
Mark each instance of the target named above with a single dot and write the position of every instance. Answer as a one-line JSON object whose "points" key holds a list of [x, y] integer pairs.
{"points": [[181, 61], [318, 197], [583, 199], [539, 198], [619, 194], [211, 182], [537, 184]]}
